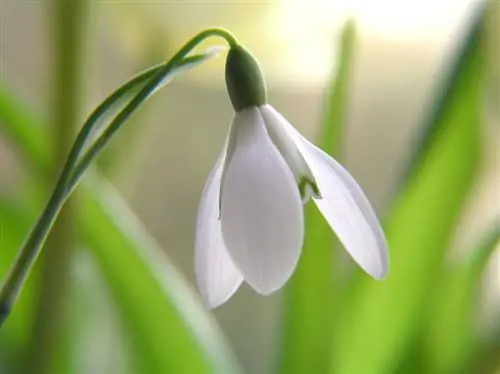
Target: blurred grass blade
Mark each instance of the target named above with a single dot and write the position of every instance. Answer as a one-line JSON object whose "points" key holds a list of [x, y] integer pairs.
{"points": [[23, 127], [383, 317], [446, 97], [27, 132], [487, 353], [167, 326], [93, 316], [310, 298], [331, 138], [171, 331], [450, 336], [16, 335]]}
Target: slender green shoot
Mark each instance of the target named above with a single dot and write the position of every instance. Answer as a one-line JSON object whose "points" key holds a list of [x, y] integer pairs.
{"points": [[87, 147]]}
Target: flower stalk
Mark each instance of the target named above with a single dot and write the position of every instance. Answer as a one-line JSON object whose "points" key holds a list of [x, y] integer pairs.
{"points": [[85, 149]]}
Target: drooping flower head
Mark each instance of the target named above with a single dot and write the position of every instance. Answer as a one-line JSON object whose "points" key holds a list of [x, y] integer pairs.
{"points": [[250, 223]]}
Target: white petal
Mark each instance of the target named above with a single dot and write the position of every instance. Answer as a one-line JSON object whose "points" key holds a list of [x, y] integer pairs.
{"points": [[262, 216], [216, 275], [344, 205], [287, 147], [349, 213]]}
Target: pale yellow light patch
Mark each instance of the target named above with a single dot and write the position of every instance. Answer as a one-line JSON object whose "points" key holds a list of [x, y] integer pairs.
{"points": [[295, 40]]}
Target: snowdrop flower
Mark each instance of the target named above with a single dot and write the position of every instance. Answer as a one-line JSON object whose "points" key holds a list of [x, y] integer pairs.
{"points": [[250, 223]]}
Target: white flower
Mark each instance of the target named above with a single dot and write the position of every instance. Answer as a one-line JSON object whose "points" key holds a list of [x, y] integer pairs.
{"points": [[250, 220]]}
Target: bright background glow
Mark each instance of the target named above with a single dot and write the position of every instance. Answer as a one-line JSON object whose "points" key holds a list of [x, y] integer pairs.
{"points": [[295, 38], [308, 28]]}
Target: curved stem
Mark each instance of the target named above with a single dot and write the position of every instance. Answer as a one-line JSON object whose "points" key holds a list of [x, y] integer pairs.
{"points": [[75, 166], [134, 104], [24, 262], [85, 160]]}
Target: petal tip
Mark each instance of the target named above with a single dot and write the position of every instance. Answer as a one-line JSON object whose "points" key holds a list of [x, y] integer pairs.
{"points": [[212, 301], [380, 272], [212, 304], [266, 290], [381, 275]]}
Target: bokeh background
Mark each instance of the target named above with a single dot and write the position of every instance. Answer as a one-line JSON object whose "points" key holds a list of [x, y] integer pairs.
{"points": [[402, 55]]}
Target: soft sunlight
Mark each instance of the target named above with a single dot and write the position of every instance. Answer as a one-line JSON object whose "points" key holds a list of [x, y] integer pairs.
{"points": [[307, 29]]}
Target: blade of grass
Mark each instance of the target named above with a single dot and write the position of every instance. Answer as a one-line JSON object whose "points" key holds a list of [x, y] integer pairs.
{"points": [[22, 126], [166, 322], [383, 318], [16, 336], [310, 297], [434, 126], [487, 356], [154, 278], [450, 335]]}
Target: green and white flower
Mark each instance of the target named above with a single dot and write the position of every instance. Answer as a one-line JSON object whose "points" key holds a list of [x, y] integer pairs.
{"points": [[250, 223]]}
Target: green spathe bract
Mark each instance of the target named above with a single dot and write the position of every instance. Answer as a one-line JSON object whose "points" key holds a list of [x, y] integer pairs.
{"points": [[245, 83]]}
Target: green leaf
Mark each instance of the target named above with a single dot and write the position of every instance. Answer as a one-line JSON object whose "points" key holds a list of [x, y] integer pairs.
{"points": [[167, 325], [23, 127], [92, 314], [170, 330], [451, 334], [383, 318], [16, 334], [336, 103], [434, 126], [487, 354], [311, 295], [173, 332]]}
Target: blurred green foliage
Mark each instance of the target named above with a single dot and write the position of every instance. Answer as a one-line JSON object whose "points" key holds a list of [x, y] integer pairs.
{"points": [[419, 228], [168, 327], [422, 319], [309, 315], [158, 308]]}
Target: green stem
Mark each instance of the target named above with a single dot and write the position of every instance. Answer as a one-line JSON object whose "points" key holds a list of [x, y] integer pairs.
{"points": [[134, 104], [80, 156], [19, 272]]}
